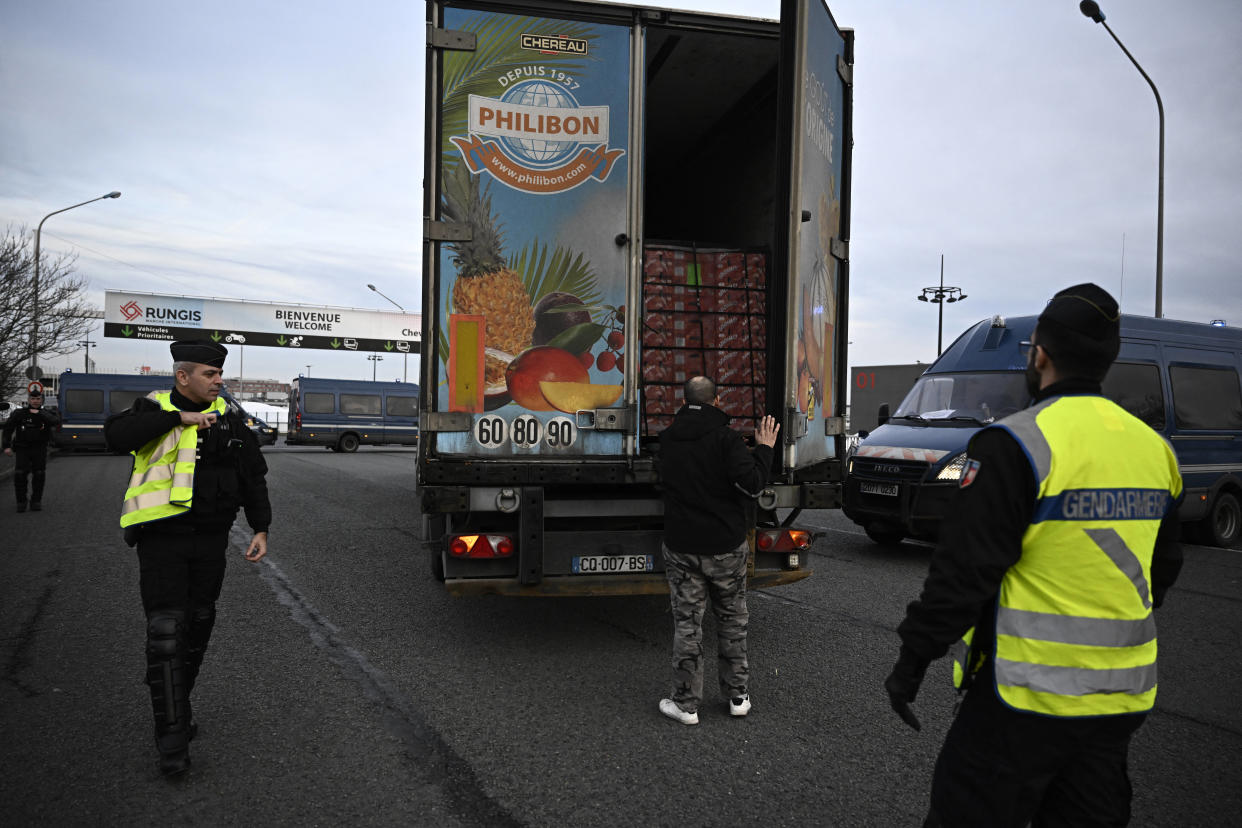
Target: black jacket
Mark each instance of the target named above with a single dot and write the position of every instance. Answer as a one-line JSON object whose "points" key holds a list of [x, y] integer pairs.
{"points": [[230, 472], [710, 481], [27, 428], [982, 538]]}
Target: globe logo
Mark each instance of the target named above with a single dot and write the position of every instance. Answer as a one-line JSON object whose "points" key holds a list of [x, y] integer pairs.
{"points": [[539, 152]]}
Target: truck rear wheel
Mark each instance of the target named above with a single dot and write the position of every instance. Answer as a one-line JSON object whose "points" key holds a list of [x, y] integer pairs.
{"points": [[884, 535], [348, 442], [1223, 523]]}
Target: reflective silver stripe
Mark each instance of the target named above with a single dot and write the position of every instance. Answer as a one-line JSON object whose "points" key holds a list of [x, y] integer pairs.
{"points": [[146, 500], [959, 651], [1075, 681], [1124, 559], [1024, 427], [1070, 629]]}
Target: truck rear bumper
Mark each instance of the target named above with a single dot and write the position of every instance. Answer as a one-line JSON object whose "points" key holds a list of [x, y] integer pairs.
{"points": [[588, 585]]}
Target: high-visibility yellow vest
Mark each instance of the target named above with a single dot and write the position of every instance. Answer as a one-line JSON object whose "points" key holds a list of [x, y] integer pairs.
{"points": [[162, 482], [1075, 634]]}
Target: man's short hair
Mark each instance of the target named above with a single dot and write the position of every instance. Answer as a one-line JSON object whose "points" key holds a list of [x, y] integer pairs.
{"points": [[188, 367], [699, 391]]}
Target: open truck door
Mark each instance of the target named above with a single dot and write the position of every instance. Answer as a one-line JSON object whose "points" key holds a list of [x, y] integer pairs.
{"points": [[816, 113]]}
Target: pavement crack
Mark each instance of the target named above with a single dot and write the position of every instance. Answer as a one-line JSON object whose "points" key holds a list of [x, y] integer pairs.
{"points": [[443, 767], [19, 659]]}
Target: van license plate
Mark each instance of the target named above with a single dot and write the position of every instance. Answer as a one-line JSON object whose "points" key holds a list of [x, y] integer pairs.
{"points": [[608, 564], [889, 489]]}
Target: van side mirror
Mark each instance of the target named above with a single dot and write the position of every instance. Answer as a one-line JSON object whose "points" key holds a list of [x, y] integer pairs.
{"points": [[883, 416]]}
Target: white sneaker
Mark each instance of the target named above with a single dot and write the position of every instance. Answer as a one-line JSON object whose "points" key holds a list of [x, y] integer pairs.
{"points": [[739, 707], [669, 708]]}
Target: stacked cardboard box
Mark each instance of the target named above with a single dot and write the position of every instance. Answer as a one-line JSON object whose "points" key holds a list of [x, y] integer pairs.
{"points": [[704, 312]]}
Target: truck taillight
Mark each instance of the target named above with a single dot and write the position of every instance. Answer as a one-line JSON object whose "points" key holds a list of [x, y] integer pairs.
{"points": [[481, 546], [782, 540]]}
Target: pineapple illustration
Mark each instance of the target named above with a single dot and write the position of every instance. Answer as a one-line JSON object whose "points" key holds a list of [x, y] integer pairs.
{"points": [[485, 284]]}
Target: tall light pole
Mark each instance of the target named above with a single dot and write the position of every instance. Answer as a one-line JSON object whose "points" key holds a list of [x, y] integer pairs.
{"points": [[87, 343], [34, 331], [375, 361], [405, 356], [308, 370], [1091, 9], [941, 295]]}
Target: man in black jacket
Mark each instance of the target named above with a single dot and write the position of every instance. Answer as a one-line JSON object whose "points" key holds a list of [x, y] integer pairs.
{"points": [[195, 464], [710, 482], [26, 434]]}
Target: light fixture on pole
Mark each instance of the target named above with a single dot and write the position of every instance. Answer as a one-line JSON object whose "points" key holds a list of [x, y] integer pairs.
{"points": [[87, 343], [375, 361], [405, 356], [941, 295], [34, 328], [1091, 9]]}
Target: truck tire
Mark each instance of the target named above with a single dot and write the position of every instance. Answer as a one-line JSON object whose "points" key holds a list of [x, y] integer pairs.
{"points": [[348, 443], [1223, 523], [884, 535]]}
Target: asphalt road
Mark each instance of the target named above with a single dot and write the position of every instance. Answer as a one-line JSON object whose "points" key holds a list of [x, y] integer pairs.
{"points": [[344, 687]]}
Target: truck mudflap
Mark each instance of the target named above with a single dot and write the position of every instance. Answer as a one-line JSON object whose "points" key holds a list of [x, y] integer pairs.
{"points": [[578, 586]]}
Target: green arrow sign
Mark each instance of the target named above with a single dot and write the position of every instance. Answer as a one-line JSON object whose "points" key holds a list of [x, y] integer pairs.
{"points": [[387, 346], [335, 343], [215, 336], [280, 340], [127, 330]]}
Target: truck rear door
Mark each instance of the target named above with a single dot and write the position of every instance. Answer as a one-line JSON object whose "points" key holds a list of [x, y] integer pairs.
{"points": [[530, 131], [816, 112]]}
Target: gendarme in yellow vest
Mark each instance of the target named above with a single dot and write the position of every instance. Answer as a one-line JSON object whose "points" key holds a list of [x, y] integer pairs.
{"points": [[1075, 635], [162, 482]]}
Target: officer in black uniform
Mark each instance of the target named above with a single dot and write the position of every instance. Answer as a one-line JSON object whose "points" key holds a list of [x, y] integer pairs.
{"points": [[26, 434], [1001, 765], [181, 555]]}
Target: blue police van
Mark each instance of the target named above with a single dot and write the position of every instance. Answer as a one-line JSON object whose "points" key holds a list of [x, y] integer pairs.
{"points": [[344, 414], [87, 400], [1181, 378]]}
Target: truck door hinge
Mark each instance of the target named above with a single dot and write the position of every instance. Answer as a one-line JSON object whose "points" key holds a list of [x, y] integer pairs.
{"points": [[454, 39], [795, 422], [846, 70], [840, 249], [442, 421], [834, 426], [608, 419], [446, 230]]}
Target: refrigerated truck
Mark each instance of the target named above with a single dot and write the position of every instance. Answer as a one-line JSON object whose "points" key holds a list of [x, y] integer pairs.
{"points": [[617, 198], [1184, 379]]}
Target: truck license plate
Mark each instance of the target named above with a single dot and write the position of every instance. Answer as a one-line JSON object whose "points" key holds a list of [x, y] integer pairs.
{"points": [[889, 489], [608, 564]]}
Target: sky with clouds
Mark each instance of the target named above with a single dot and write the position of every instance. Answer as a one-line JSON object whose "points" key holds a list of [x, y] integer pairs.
{"points": [[273, 151]]}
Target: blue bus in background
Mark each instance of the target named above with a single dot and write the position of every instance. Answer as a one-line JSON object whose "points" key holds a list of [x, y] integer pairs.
{"points": [[86, 400], [1184, 379], [344, 414]]}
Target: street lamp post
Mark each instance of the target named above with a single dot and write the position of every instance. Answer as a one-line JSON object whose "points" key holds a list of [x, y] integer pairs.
{"points": [[308, 370], [87, 343], [375, 361], [941, 295], [1092, 10], [34, 332], [405, 357]]}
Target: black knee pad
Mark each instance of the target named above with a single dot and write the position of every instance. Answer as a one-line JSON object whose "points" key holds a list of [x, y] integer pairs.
{"points": [[164, 631]]}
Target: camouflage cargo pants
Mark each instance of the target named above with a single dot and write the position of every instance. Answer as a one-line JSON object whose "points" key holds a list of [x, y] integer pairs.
{"points": [[692, 579]]}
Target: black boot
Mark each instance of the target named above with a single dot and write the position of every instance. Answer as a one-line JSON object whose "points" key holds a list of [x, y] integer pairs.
{"points": [[166, 678]]}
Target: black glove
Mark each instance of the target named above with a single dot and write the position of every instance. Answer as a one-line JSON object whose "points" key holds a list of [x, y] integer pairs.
{"points": [[903, 685]]}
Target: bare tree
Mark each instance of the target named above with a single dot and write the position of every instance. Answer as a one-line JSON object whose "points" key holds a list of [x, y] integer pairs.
{"points": [[62, 306]]}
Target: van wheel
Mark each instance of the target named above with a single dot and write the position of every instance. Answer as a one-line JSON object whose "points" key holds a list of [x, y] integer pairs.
{"points": [[1223, 523], [884, 535], [348, 442]]}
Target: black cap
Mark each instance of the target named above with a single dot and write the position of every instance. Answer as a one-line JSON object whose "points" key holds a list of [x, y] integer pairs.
{"points": [[199, 350], [1086, 309]]}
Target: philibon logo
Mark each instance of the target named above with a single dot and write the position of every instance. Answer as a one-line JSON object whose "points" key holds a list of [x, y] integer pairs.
{"points": [[537, 138]]}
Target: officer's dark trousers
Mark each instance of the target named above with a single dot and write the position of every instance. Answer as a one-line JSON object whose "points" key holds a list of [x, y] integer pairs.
{"points": [[180, 577], [30, 464], [1000, 767]]}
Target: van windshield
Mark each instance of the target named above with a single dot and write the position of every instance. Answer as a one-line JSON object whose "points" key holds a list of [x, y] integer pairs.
{"points": [[981, 397]]}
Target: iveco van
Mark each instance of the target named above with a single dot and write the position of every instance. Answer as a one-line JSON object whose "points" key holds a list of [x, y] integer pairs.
{"points": [[1181, 378]]}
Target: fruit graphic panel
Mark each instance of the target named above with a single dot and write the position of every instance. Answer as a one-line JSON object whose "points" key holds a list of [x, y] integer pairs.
{"points": [[817, 285], [533, 160]]}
